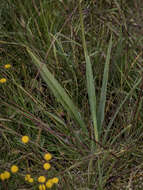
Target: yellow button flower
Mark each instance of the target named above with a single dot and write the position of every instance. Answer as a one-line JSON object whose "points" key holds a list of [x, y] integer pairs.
{"points": [[47, 156], [42, 187], [47, 166], [6, 175], [2, 176], [7, 66], [2, 80], [49, 183], [55, 180], [31, 180], [41, 179], [25, 139], [14, 169], [27, 177]]}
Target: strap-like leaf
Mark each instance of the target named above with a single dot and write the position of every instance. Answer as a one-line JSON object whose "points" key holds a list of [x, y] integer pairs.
{"points": [[58, 91], [101, 107]]}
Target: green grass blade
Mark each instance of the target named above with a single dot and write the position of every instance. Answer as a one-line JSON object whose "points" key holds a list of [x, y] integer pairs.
{"points": [[119, 108], [122, 132], [101, 108], [57, 119], [89, 78], [57, 90], [91, 94]]}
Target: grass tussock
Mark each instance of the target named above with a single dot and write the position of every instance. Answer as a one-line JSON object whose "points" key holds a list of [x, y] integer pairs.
{"points": [[71, 87]]}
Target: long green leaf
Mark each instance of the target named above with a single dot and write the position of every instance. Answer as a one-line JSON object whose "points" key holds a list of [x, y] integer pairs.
{"points": [[101, 107], [57, 90], [91, 94], [89, 78]]}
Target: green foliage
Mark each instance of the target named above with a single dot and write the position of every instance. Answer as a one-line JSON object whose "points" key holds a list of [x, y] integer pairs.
{"points": [[75, 88]]}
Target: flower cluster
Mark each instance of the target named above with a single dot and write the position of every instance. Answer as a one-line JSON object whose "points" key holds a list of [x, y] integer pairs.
{"points": [[3, 80], [42, 179], [47, 184], [44, 183], [6, 174], [29, 178]]}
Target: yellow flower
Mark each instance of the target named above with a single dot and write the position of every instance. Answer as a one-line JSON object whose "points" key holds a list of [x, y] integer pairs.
{"points": [[47, 166], [31, 180], [55, 180], [27, 177], [49, 183], [6, 175], [14, 169], [2, 80], [7, 66], [2, 176], [47, 156], [41, 179], [42, 187], [25, 139]]}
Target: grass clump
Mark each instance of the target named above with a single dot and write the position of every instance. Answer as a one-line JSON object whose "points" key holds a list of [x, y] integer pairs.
{"points": [[71, 80]]}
